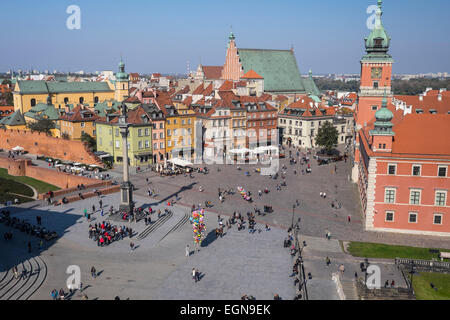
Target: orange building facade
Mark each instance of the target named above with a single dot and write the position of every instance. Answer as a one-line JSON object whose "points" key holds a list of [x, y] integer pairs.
{"points": [[402, 158]]}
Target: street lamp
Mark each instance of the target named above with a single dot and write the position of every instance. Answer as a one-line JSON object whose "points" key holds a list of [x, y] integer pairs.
{"points": [[412, 274]]}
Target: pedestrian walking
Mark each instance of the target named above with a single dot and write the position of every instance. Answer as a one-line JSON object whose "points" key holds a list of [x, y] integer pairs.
{"points": [[16, 272], [93, 208], [194, 275], [348, 218], [81, 286], [93, 272], [100, 203], [101, 212], [132, 246], [41, 244], [327, 261], [188, 251]]}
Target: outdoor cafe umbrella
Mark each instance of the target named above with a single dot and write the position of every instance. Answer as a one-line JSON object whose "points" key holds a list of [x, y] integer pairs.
{"points": [[18, 148]]}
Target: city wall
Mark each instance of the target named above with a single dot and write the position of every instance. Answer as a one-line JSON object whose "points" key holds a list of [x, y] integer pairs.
{"points": [[38, 143]]}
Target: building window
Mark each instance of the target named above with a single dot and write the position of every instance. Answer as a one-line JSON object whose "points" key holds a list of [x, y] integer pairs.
{"points": [[440, 198], [66, 100], [416, 170], [168, 132], [139, 132], [33, 102], [374, 108], [81, 99], [375, 84], [155, 146], [161, 145], [389, 195], [82, 124], [147, 144], [140, 144], [414, 197], [389, 216], [95, 99], [146, 132], [442, 171], [392, 169], [117, 144], [174, 121], [168, 121], [437, 218], [412, 217], [117, 132], [169, 143]]}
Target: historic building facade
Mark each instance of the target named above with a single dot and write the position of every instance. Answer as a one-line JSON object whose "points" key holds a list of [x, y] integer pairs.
{"points": [[402, 156]]}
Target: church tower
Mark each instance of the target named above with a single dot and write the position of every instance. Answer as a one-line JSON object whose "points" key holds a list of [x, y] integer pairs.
{"points": [[232, 69], [122, 83], [376, 72]]}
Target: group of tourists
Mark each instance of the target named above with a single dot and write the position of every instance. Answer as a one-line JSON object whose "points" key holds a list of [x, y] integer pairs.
{"points": [[24, 226], [104, 233]]}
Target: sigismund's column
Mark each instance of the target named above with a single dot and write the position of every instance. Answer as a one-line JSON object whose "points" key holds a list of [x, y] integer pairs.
{"points": [[126, 195]]}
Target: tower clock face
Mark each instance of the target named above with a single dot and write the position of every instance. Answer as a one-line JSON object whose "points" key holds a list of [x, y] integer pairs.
{"points": [[376, 73]]}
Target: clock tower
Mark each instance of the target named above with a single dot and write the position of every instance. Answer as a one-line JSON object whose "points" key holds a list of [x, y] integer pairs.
{"points": [[376, 72], [376, 75]]}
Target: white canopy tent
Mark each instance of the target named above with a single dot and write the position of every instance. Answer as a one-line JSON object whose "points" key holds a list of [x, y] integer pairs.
{"points": [[239, 151], [18, 148], [266, 149], [180, 162]]}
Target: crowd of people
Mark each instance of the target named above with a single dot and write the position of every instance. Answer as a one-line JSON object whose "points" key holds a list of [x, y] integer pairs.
{"points": [[104, 233], [25, 226]]}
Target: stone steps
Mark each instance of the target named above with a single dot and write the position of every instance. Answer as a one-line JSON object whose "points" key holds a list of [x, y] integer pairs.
{"points": [[349, 289], [23, 289]]}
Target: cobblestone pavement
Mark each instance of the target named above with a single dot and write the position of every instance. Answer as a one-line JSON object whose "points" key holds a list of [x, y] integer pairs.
{"points": [[317, 215], [238, 263]]}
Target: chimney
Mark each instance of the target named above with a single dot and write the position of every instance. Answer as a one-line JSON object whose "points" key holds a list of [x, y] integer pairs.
{"points": [[439, 97], [421, 97]]}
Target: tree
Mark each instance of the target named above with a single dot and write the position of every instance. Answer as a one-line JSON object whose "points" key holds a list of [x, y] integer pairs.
{"points": [[91, 142], [42, 125], [327, 137]]}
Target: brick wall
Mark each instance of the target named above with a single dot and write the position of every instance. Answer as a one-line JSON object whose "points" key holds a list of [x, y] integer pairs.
{"points": [[54, 177], [40, 144]]}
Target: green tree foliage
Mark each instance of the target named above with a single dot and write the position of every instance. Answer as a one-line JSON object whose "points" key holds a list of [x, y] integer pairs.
{"points": [[418, 86], [327, 136], [42, 125], [91, 142]]}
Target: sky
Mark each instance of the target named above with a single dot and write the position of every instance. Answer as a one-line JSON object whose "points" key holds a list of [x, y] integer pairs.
{"points": [[163, 35]]}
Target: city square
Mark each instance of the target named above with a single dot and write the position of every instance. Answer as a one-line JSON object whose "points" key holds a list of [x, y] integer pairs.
{"points": [[243, 178]]}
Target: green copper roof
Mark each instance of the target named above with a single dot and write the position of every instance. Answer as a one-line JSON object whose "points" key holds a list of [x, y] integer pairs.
{"points": [[278, 68], [40, 86], [383, 124], [43, 111], [15, 119], [122, 75], [378, 41], [310, 86]]}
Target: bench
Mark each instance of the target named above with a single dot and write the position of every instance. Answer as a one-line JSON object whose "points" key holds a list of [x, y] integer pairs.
{"points": [[444, 255]]}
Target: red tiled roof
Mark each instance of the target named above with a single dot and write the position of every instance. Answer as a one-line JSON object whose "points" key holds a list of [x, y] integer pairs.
{"points": [[187, 101], [75, 115], [429, 102], [422, 134], [199, 89], [134, 116], [209, 90], [226, 86], [213, 72], [251, 74]]}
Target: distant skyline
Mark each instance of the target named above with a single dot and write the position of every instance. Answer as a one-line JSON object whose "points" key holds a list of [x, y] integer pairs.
{"points": [[161, 36]]}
